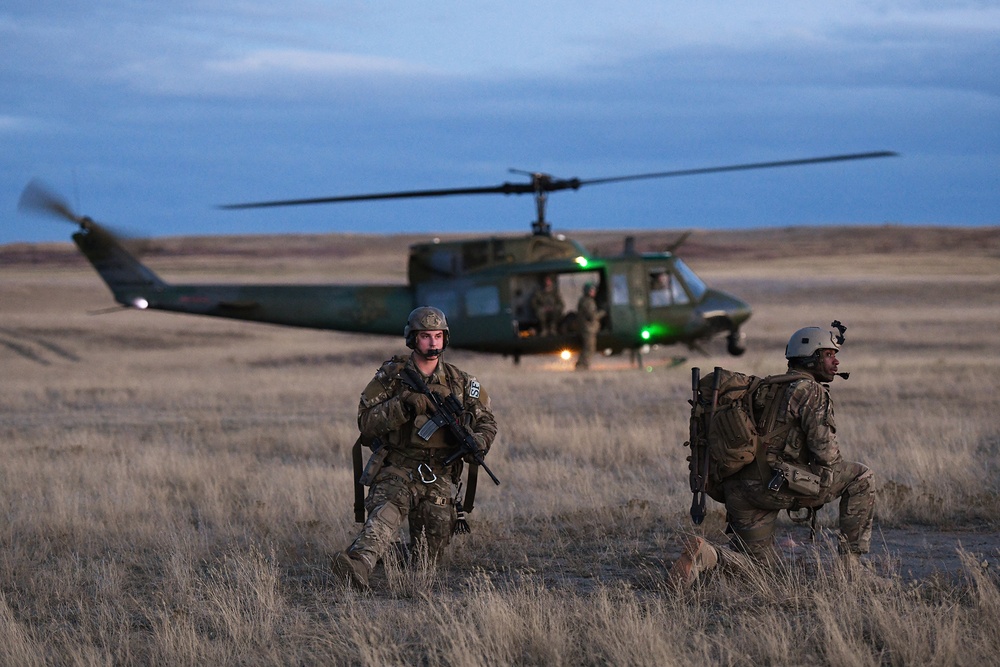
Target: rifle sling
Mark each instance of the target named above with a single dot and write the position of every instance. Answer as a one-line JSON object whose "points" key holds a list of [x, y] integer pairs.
{"points": [[470, 488]]}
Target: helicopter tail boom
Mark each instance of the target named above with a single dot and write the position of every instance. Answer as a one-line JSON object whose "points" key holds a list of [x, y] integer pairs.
{"points": [[127, 278]]}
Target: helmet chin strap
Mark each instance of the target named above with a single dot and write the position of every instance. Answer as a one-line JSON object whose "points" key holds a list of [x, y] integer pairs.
{"points": [[432, 353]]}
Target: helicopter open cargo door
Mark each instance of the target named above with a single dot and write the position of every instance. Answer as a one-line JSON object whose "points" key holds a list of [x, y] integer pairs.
{"points": [[525, 287]]}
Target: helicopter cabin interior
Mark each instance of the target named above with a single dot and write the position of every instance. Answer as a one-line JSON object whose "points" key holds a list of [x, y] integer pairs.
{"points": [[569, 286], [655, 282]]}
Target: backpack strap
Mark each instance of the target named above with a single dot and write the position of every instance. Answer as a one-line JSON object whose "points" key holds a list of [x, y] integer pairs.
{"points": [[765, 423]]}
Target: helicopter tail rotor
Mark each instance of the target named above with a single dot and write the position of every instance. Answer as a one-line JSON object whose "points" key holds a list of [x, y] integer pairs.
{"points": [[37, 198]]}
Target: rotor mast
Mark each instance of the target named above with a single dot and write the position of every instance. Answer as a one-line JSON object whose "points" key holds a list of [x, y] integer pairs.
{"points": [[541, 184]]}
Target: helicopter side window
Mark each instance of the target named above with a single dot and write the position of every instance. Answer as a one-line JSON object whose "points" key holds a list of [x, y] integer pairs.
{"points": [[619, 289], [481, 301], [446, 300]]}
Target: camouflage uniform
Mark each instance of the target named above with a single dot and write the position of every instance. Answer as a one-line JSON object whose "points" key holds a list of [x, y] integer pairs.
{"points": [[590, 323], [752, 508], [548, 306], [414, 485]]}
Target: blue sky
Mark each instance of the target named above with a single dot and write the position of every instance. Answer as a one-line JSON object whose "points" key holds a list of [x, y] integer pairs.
{"points": [[148, 115]]}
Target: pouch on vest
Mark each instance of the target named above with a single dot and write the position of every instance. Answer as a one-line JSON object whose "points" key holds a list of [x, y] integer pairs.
{"points": [[800, 479], [436, 439]]}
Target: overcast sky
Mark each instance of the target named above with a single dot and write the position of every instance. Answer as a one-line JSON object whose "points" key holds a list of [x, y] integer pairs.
{"points": [[146, 115]]}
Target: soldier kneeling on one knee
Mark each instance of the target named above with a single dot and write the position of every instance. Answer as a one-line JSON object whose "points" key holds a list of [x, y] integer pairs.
{"points": [[805, 466]]}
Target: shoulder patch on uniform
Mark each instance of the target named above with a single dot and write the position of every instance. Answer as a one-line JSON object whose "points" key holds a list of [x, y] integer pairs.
{"points": [[474, 388]]}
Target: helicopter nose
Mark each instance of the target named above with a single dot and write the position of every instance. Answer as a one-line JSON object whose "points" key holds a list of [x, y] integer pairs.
{"points": [[723, 312], [719, 305], [739, 311]]}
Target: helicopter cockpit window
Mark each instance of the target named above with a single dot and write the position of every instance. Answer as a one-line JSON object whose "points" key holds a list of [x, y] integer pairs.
{"points": [[694, 284], [481, 301], [660, 288]]}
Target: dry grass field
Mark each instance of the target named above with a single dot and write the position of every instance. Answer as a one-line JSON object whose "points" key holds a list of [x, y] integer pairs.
{"points": [[172, 487]]}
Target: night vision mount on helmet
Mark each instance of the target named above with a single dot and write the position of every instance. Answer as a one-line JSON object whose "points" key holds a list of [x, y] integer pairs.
{"points": [[805, 344]]}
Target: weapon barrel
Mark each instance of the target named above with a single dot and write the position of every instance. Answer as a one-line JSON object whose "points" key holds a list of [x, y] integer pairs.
{"points": [[694, 466]]}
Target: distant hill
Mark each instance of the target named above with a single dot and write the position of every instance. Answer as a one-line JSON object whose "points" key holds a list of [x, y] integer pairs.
{"points": [[765, 243]]}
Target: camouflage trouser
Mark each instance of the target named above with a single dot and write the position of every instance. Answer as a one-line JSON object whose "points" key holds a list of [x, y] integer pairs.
{"points": [[752, 510], [588, 348], [548, 321], [392, 500]]}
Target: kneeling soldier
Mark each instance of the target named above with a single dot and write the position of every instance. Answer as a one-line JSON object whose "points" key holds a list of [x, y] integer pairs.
{"points": [[809, 447], [412, 482]]}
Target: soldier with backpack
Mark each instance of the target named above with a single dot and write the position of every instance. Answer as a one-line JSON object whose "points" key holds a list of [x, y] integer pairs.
{"points": [[791, 460]]}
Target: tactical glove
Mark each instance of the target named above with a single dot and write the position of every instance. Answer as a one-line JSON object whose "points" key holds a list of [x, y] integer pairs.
{"points": [[441, 390], [418, 403], [481, 449]]}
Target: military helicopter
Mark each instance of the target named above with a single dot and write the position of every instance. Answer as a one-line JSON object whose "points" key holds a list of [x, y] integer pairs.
{"points": [[484, 285]]}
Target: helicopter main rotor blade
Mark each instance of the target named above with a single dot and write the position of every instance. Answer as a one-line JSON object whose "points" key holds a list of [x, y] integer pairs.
{"points": [[541, 182], [36, 198], [741, 167], [504, 189]]}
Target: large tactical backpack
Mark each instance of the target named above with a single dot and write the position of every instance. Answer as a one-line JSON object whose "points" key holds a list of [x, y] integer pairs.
{"points": [[726, 432]]}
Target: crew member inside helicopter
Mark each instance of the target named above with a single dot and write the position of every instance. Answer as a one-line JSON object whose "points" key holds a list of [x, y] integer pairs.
{"points": [[548, 306]]}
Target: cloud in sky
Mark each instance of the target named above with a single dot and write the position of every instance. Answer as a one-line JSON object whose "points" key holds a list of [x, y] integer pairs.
{"points": [[150, 114]]}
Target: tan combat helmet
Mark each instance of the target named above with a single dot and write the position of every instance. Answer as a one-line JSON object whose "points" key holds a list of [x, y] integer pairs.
{"points": [[806, 341], [425, 318]]}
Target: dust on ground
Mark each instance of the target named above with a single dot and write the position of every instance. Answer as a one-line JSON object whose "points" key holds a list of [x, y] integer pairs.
{"points": [[918, 553]]}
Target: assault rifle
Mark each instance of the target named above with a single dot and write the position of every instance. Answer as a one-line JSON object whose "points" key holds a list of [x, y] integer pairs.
{"points": [[447, 413], [698, 464]]}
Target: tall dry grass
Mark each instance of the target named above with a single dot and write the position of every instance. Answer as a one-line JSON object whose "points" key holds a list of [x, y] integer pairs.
{"points": [[173, 488]]}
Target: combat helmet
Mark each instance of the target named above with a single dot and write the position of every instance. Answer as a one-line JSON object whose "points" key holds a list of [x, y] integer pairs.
{"points": [[804, 345], [425, 318]]}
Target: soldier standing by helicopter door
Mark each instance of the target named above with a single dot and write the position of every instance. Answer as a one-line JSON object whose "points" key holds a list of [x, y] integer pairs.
{"points": [[411, 482], [589, 316]]}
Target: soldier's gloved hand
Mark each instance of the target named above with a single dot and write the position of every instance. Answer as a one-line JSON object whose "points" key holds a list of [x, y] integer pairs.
{"points": [[481, 449], [441, 390], [418, 403]]}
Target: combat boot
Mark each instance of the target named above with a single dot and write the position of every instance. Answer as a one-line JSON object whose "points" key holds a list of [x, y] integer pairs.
{"points": [[353, 570], [697, 557]]}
